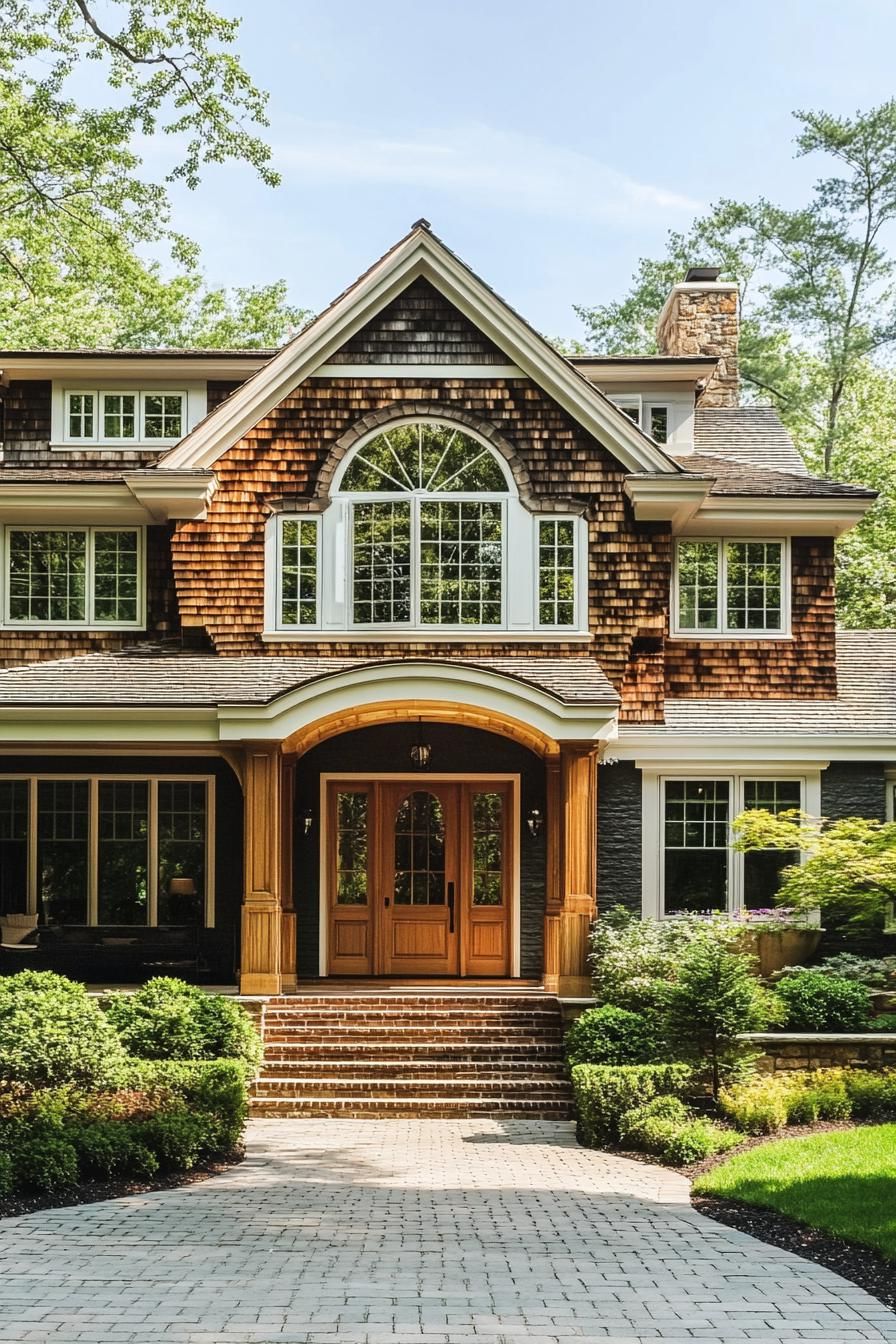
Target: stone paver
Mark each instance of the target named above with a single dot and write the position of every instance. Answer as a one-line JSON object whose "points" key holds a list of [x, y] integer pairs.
{"points": [[420, 1232]]}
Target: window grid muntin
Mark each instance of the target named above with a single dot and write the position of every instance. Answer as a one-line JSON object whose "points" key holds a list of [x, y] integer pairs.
{"points": [[299, 571], [460, 562], [722, 625], [556, 570], [91, 420], [423, 457], [47, 575], [352, 846], [118, 416], [116, 585], [383, 585], [200, 786], [419, 850], [738, 785], [761, 589]]}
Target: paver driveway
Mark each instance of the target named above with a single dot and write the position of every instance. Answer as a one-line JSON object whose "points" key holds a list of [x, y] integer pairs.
{"points": [[374, 1231]]}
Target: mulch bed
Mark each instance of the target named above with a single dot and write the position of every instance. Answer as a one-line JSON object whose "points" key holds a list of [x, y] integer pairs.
{"points": [[94, 1191]]}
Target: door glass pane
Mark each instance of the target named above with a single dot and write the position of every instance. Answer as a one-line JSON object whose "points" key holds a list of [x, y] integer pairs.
{"points": [[13, 846], [62, 845], [696, 844], [123, 851], [420, 851], [351, 849], [488, 848], [183, 827]]}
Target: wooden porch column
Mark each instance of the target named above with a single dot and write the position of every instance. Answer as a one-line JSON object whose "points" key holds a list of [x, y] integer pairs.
{"points": [[572, 862], [262, 915], [287, 901]]}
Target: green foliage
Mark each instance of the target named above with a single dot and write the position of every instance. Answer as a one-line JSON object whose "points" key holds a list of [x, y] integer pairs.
{"points": [[178, 1138], [766, 1104], [109, 1149], [758, 1106], [633, 960], [850, 864], [667, 1128], [47, 1164], [875, 972], [696, 1140], [610, 1035], [604, 1093], [169, 1019], [52, 1032], [7, 1181], [816, 1002], [216, 1088], [841, 1182], [883, 1022], [873, 1095], [714, 998]]}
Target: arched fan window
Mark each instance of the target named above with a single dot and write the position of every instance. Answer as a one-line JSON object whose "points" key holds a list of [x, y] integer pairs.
{"points": [[427, 528]]}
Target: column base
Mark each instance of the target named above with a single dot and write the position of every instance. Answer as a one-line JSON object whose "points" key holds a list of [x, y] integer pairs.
{"points": [[258, 983], [574, 987]]}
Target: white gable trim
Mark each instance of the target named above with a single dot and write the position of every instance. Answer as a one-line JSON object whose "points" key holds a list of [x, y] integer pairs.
{"points": [[420, 255]]}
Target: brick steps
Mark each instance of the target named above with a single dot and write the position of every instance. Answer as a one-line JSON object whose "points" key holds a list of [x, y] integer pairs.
{"points": [[409, 1054]]}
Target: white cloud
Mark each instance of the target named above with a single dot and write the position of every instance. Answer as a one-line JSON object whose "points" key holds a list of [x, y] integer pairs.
{"points": [[491, 167]]}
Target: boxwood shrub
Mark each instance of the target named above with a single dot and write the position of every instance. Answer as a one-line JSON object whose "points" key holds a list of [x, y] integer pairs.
{"points": [[611, 1035], [52, 1032], [817, 1002], [169, 1019], [604, 1092]]}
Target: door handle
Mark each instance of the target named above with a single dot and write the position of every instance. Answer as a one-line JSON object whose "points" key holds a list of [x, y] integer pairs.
{"points": [[450, 907], [386, 902]]}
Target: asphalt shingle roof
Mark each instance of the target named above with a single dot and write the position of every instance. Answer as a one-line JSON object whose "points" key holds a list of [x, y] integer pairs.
{"points": [[865, 704], [752, 434], [733, 477], [135, 678]]}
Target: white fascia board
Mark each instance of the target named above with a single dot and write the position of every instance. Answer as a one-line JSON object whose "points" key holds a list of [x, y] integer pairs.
{"points": [[795, 517], [656, 750], [165, 367], [22, 502], [606, 371], [479, 689], [420, 255], [101, 725], [164, 495], [674, 499]]}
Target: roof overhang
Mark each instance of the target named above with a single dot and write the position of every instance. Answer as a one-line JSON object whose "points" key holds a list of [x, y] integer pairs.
{"points": [[182, 364], [141, 498], [687, 504], [687, 370], [419, 255], [659, 748]]}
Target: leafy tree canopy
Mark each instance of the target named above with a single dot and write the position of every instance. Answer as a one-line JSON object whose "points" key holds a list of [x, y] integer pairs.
{"points": [[77, 218]]}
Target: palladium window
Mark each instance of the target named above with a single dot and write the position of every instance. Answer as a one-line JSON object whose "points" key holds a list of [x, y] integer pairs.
{"points": [[107, 851], [126, 417], [87, 576], [730, 587], [700, 871]]}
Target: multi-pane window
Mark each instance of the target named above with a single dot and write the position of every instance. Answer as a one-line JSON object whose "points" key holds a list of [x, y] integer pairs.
{"points": [[488, 848], [74, 576], [556, 572], [701, 871], [351, 848], [124, 417], [119, 415], [298, 571], [420, 851], [657, 425], [381, 573], [735, 587], [460, 562], [696, 843], [110, 851], [762, 868]]}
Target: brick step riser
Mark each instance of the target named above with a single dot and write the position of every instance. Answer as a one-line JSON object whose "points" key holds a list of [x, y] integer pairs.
{"points": [[494, 1022], [442, 1069], [415, 1092], [319, 1035], [399, 1001], [461, 1052], [355, 1109]]}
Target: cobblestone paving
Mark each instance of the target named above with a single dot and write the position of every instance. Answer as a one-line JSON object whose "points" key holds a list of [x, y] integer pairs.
{"points": [[368, 1232]]}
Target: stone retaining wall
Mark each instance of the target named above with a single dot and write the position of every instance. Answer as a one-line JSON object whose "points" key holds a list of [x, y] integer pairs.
{"points": [[822, 1050]]}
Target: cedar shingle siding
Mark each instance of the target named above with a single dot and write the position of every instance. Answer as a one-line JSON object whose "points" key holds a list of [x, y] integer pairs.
{"points": [[419, 327]]}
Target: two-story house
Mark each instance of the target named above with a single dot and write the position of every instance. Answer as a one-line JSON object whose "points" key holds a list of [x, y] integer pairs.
{"points": [[391, 651]]}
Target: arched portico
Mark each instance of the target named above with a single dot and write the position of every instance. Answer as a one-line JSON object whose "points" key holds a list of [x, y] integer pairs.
{"points": [[564, 738]]}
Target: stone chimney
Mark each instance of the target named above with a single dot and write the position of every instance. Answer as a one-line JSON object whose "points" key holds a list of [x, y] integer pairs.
{"points": [[700, 317]]}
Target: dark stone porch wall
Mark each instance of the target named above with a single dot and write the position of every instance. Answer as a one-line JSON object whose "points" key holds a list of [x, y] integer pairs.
{"points": [[455, 750], [220, 945], [619, 837], [853, 789]]}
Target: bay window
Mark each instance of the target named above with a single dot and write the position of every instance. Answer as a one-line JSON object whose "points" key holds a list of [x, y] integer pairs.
{"points": [[108, 850], [697, 868], [74, 576], [425, 531], [730, 587]]}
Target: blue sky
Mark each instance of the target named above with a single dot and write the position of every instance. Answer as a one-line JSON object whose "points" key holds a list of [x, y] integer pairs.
{"points": [[549, 146]]}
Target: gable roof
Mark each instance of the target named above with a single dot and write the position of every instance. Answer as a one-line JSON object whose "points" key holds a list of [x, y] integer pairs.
{"points": [[419, 253]]}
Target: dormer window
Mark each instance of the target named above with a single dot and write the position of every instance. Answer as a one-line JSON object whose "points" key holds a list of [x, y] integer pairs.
{"points": [[652, 417], [123, 417], [425, 531]]}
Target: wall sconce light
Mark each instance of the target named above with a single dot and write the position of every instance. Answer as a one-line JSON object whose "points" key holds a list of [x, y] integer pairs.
{"points": [[534, 821], [307, 820]]}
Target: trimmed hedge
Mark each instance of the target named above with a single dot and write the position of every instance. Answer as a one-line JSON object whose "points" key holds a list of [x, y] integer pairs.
{"points": [[52, 1032], [818, 1002], [169, 1019], [765, 1105], [611, 1035], [604, 1092]]}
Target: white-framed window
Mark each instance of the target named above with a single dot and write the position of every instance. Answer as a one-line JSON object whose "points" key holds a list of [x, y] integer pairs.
{"points": [[425, 532], [688, 860], [74, 577], [123, 416], [109, 850], [651, 416], [737, 587]]}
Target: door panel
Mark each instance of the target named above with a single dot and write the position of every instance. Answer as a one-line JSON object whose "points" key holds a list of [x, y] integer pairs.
{"points": [[487, 887], [350, 942], [420, 852]]}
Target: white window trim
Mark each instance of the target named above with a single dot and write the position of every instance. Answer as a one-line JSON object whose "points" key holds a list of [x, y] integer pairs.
{"points": [[677, 631], [274, 563], [653, 814], [152, 877], [90, 623], [194, 404], [519, 595], [648, 409]]}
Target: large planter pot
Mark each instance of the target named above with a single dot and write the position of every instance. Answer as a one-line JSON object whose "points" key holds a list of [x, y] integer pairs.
{"points": [[777, 948]]}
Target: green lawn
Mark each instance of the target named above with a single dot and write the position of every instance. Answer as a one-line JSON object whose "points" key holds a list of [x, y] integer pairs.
{"points": [[843, 1182]]}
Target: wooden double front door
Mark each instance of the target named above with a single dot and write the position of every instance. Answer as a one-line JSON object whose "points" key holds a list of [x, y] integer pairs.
{"points": [[419, 878]]}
